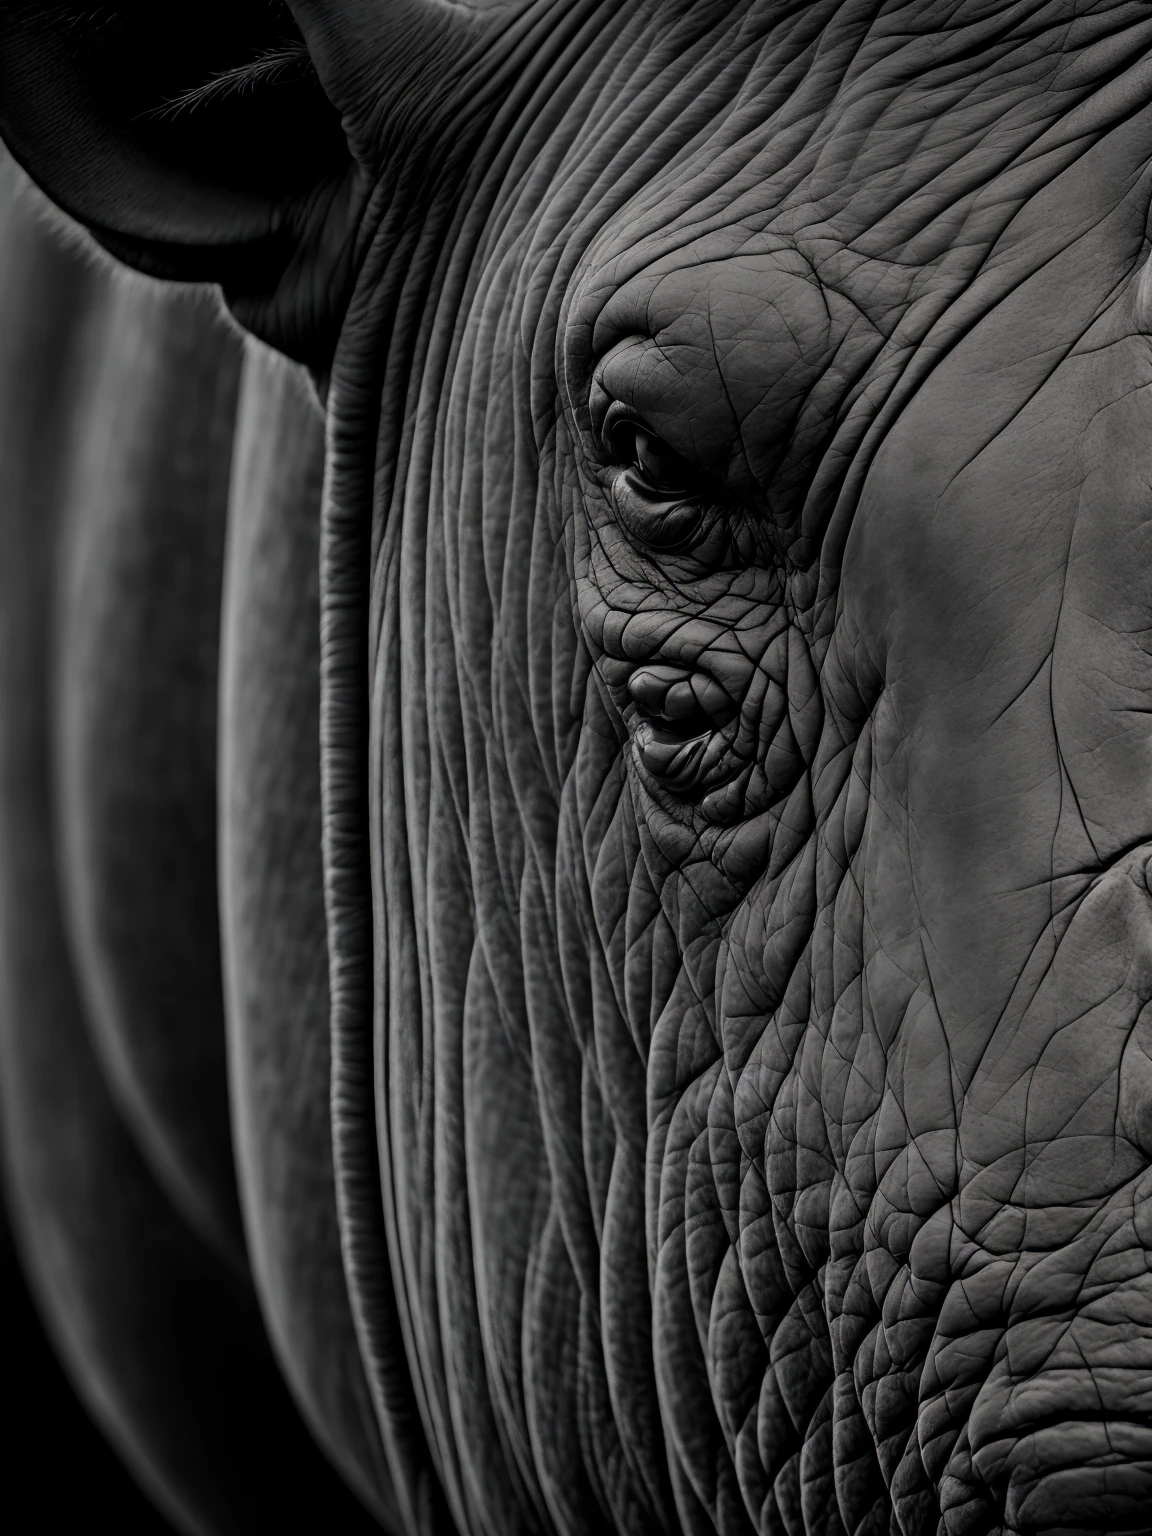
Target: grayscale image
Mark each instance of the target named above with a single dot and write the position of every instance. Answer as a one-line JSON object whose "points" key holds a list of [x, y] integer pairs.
{"points": [[576, 767]]}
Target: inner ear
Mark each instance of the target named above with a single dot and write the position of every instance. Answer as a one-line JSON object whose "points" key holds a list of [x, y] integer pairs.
{"points": [[192, 139]]}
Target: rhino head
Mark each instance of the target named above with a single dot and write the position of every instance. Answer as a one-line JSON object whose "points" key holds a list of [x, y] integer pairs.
{"points": [[736, 679]]}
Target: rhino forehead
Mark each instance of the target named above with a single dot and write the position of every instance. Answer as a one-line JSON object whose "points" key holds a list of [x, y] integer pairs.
{"points": [[881, 145]]}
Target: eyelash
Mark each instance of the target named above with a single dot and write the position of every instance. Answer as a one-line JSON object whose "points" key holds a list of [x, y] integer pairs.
{"points": [[661, 501], [634, 445]]}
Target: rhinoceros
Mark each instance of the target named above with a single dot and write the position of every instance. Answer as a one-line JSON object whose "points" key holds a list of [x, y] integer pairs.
{"points": [[660, 680]]}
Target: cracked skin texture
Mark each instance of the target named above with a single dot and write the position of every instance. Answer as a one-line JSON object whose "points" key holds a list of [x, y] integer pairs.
{"points": [[869, 992], [736, 474]]}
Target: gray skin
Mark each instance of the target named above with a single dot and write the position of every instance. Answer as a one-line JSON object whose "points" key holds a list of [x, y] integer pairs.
{"points": [[736, 758], [272, 913]]}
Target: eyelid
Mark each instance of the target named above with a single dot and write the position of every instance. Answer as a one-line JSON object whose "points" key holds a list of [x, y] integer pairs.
{"points": [[616, 413], [691, 482]]}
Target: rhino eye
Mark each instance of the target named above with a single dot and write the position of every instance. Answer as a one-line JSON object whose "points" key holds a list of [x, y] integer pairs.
{"points": [[639, 449], [659, 497]]}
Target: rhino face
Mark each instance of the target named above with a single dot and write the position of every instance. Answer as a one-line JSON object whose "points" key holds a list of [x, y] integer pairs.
{"points": [[738, 773], [840, 486]]}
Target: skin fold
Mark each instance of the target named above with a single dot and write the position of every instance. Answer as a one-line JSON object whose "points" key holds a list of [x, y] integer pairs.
{"points": [[731, 699], [272, 914]]}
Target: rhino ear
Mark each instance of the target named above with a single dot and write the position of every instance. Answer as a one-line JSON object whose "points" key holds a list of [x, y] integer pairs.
{"points": [[195, 141]]}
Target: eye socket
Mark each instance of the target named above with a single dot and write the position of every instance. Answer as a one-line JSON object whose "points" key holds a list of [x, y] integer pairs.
{"points": [[633, 444]]}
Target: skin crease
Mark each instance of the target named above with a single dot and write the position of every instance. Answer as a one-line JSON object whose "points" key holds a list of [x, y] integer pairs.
{"points": [[272, 914], [734, 740]]}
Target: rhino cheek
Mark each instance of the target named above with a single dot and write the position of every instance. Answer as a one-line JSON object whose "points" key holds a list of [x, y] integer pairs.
{"points": [[1039, 1356], [1135, 1106]]}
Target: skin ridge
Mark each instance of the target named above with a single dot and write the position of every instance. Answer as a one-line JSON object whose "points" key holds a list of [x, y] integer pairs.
{"points": [[272, 917]]}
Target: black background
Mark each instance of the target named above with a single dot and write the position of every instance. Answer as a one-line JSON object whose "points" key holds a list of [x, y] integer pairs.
{"points": [[60, 1474]]}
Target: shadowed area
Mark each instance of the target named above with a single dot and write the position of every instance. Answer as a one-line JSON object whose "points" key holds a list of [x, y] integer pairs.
{"points": [[52, 1425], [162, 1338], [139, 573]]}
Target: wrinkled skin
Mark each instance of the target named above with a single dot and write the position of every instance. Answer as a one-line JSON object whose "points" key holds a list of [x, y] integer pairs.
{"points": [[734, 724]]}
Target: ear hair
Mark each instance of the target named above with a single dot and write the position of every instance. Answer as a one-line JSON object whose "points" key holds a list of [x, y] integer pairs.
{"points": [[194, 139], [286, 58], [239, 141]]}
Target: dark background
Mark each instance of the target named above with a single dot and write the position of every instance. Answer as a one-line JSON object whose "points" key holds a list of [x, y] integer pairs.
{"points": [[57, 1467]]}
